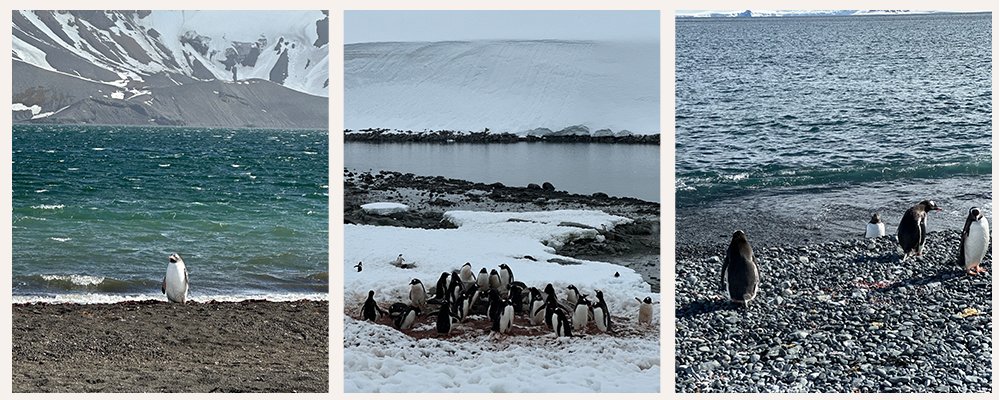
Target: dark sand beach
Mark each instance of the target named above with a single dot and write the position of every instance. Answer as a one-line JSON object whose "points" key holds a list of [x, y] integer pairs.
{"points": [[151, 346]]}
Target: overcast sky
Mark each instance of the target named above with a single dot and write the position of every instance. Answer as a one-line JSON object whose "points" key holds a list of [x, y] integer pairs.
{"points": [[430, 26]]}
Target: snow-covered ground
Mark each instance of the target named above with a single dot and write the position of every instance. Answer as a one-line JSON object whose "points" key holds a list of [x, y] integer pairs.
{"points": [[379, 358], [503, 85], [384, 208]]}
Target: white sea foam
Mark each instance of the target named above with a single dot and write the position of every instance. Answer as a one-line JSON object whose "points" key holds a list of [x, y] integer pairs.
{"points": [[49, 206], [79, 280], [102, 298], [61, 239]]}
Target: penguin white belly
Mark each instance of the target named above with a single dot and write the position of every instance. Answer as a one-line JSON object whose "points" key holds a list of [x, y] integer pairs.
{"points": [[506, 319], [978, 242], [646, 313], [599, 319], [177, 286], [537, 315], [417, 296], [875, 230], [580, 317], [408, 320]]}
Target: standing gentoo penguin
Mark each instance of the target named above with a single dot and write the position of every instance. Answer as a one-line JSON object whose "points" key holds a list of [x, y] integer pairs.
{"points": [[466, 273], [494, 279], [483, 280], [506, 276], [645, 310], [441, 288], [455, 288], [573, 296], [975, 242], [445, 320], [875, 227], [418, 295], [516, 298], [740, 279], [506, 317], [535, 306], [602, 318], [495, 309], [371, 311], [581, 314], [912, 230], [175, 283], [560, 324]]}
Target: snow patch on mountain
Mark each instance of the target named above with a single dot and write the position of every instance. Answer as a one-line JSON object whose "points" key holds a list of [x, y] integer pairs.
{"points": [[158, 48]]}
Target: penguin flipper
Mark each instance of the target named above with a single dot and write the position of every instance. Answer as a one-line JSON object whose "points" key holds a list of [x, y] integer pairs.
{"points": [[722, 276], [185, 277], [961, 247], [163, 286]]}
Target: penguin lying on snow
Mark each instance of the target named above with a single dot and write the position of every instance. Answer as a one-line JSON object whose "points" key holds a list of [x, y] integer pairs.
{"points": [[370, 310], [358, 266], [875, 227], [405, 320], [912, 230], [975, 242], [401, 263], [740, 279]]}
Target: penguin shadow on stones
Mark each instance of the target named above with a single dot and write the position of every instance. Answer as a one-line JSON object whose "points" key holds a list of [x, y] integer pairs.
{"points": [[941, 276]]}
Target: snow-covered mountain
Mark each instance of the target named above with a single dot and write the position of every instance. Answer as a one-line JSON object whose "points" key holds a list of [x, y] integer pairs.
{"points": [[506, 86], [130, 56]]}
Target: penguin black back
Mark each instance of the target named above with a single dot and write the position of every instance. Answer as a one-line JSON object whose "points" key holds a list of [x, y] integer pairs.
{"points": [[515, 297], [740, 278], [441, 288], [370, 310], [912, 230]]}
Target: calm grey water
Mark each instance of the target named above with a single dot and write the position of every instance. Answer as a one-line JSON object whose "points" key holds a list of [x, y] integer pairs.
{"points": [[618, 170], [835, 117]]}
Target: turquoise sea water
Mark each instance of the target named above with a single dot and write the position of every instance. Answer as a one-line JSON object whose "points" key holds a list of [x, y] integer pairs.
{"points": [[97, 211]]}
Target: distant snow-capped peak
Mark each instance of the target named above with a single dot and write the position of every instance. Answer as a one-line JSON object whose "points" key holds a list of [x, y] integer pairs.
{"points": [[142, 49]]}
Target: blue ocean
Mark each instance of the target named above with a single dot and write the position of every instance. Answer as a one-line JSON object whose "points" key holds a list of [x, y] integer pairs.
{"points": [[821, 121], [97, 211]]}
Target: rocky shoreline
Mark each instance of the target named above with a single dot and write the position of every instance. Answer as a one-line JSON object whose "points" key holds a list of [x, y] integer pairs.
{"points": [[634, 245], [153, 346], [839, 316], [485, 136]]}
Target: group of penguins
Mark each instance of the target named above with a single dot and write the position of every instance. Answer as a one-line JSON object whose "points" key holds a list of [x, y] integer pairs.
{"points": [[459, 293], [740, 278]]}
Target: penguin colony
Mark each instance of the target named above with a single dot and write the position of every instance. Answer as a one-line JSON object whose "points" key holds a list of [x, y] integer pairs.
{"points": [[741, 279], [459, 294]]}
